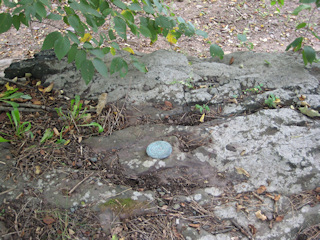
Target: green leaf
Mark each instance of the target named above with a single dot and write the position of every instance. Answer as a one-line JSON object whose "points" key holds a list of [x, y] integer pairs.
{"points": [[202, 33], [87, 71], [134, 7], [5, 22], [119, 4], [215, 50], [47, 135], [164, 22], [98, 52], [93, 124], [309, 112], [145, 31], [115, 45], [119, 65], [23, 19], [301, 25], [242, 37], [75, 22], [73, 37], [81, 56], [308, 55], [62, 47], [72, 53], [111, 35], [139, 65], [16, 21], [314, 34], [148, 9], [120, 27], [40, 9], [300, 8], [296, 44], [101, 67], [54, 16], [4, 140], [128, 16], [307, 1], [50, 39]]}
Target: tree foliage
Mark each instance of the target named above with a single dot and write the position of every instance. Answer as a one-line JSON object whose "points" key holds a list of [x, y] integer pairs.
{"points": [[148, 18]]}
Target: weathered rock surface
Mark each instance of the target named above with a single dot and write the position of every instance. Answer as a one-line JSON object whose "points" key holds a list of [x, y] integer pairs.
{"points": [[247, 149]]}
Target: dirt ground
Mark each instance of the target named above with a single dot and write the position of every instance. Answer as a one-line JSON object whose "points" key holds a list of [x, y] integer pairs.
{"points": [[24, 219], [266, 29]]}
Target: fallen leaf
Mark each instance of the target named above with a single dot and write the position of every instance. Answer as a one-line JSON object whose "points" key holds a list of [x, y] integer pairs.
{"points": [[49, 88], [243, 152], [242, 171], [168, 104], [317, 189], [302, 97], [260, 216], [71, 232], [37, 170], [56, 132], [86, 38], [253, 230], [231, 61], [261, 189], [309, 112], [304, 103], [194, 225], [102, 101], [80, 139], [42, 152], [277, 197], [233, 100], [27, 75], [38, 83], [36, 102], [202, 118], [279, 218], [240, 207], [48, 220], [8, 87]]}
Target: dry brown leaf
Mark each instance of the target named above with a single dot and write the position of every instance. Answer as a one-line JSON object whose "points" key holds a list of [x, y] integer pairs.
{"points": [[36, 102], [48, 220], [261, 189], [277, 197], [239, 207], [231, 61], [317, 189], [279, 218], [253, 230], [233, 100], [242, 171], [243, 152], [56, 132], [49, 88], [194, 225], [302, 97], [37, 170], [80, 139], [102, 101], [260, 216]]}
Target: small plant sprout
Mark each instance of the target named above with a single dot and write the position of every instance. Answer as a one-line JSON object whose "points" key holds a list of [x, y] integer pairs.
{"points": [[202, 108], [256, 89], [11, 94], [75, 114], [20, 128], [272, 101]]}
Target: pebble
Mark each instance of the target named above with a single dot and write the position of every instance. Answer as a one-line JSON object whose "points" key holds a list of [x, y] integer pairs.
{"points": [[176, 206], [159, 150]]}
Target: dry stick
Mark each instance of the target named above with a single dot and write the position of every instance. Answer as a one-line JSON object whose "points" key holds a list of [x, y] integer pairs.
{"points": [[13, 82], [9, 190], [257, 196], [78, 184], [241, 229]]}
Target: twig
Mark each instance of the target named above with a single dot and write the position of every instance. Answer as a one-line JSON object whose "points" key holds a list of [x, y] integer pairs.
{"points": [[241, 229], [13, 82], [78, 184], [257, 196], [9, 190]]}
